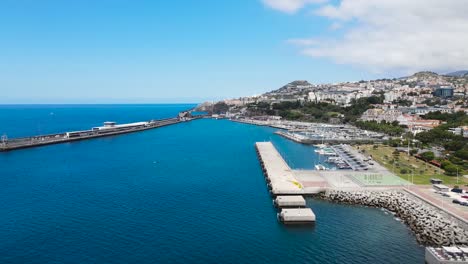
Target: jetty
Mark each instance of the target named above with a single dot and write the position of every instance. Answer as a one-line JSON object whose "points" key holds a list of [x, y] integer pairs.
{"points": [[108, 129], [280, 177], [286, 190]]}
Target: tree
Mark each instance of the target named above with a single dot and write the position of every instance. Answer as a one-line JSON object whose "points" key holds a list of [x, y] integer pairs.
{"points": [[413, 152], [462, 154], [427, 156], [388, 128], [451, 169], [220, 108]]}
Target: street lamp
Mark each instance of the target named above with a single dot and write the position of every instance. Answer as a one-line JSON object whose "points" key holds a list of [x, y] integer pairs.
{"points": [[412, 176]]}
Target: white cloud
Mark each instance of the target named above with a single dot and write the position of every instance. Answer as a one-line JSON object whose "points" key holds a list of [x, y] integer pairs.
{"points": [[303, 42], [402, 35], [290, 6]]}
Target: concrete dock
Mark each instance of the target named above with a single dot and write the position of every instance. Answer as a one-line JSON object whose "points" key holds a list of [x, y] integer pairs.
{"points": [[42, 140], [290, 201], [279, 175], [284, 186], [296, 216]]}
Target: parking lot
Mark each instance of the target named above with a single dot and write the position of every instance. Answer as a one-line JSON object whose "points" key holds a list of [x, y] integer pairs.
{"points": [[443, 201]]}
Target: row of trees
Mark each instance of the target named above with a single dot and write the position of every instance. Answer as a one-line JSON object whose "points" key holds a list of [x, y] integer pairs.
{"points": [[456, 145], [392, 129], [316, 111]]}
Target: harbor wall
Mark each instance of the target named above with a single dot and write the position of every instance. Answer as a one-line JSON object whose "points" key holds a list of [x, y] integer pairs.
{"points": [[50, 139], [431, 227]]}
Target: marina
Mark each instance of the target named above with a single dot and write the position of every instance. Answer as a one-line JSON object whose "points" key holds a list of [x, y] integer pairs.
{"points": [[318, 133], [328, 137], [343, 157], [348, 158]]}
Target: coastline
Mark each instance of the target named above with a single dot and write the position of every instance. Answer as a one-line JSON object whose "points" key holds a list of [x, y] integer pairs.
{"points": [[430, 227]]}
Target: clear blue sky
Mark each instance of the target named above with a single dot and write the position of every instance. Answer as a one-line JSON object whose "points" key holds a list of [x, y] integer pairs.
{"points": [[107, 51]]}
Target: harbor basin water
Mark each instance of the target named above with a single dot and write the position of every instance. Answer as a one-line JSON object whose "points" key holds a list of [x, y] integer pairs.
{"points": [[188, 193]]}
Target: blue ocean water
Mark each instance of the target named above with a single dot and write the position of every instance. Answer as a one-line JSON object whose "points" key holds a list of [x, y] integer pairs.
{"points": [[188, 193]]}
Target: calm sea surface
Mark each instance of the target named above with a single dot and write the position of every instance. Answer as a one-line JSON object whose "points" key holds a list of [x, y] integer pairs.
{"points": [[188, 193]]}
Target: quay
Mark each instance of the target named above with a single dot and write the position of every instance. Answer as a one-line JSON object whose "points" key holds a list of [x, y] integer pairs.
{"points": [[280, 178], [109, 129]]}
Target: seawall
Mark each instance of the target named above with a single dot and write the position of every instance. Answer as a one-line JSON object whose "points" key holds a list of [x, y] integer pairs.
{"points": [[43, 140], [429, 226]]}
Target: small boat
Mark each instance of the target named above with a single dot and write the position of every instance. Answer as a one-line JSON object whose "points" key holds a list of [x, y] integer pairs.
{"points": [[320, 167], [343, 166], [326, 152], [334, 160]]}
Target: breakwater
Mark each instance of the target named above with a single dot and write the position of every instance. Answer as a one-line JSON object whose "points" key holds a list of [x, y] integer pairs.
{"points": [[430, 227], [58, 138]]}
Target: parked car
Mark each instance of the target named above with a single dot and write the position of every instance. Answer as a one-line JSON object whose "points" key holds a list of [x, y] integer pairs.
{"points": [[464, 196], [456, 201], [446, 194], [457, 190]]}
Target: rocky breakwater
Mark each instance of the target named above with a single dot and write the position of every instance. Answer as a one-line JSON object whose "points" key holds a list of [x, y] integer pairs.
{"points": [[430, 226]]}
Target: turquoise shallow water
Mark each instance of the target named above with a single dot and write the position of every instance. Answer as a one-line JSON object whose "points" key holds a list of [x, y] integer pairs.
{"points": [[188, 193]]}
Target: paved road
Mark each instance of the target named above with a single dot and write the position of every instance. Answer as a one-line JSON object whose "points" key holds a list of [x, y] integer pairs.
{"points": [[445, 203]]}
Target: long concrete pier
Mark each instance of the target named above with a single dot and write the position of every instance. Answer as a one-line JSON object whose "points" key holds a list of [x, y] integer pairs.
{"points": [[283, 184], [279, 175], [42, 140]]}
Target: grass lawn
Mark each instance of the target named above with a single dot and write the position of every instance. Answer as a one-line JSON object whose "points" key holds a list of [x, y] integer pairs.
{"points": [[422, 171]]}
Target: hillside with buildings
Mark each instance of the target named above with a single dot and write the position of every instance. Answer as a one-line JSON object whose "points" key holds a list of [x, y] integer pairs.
{"points": [[415, 95], [426, 111]]}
